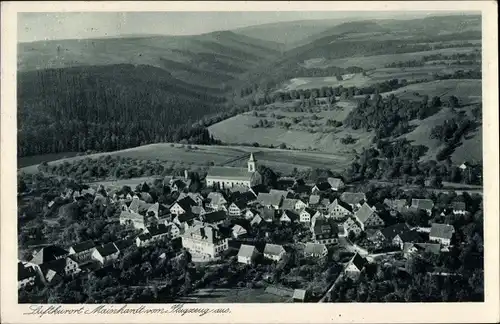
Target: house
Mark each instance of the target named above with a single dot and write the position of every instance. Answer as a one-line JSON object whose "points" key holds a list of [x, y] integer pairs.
{"points": [[204, 240], [146, 197], [52, 272], [274, 252], [299, 295], [351, 225], [239, 189], [464, 166], [267, 214], [26, 275], [300, 204], [336, 184], [158, 231], [410, 249], [367, 217], [238, 231], [441, 233], [137, 205], [256, 220], [355, 266], [270, 200], [48, 253], [424, 204], [339, 209], [396, 204], [122, 245], [283, 193], [321, 187], [82, 251], [182, 219], [143, 239], [289, 216], [105, 253], [251, 213], [247, 254], [306, 215], [285, 183], [158, 210], [182, 206], [198, 210], [179, 185], [458, 208], [135, 219], [325, 231], [354, 199], [243, 197], [257, 189], [195, 196], [398, 235], [342, 231], [227, 177], [302, 190], [323, 205], [316, 250], [314, 200], [217, 201], [288, 203], [214, 218], [236, 208]]}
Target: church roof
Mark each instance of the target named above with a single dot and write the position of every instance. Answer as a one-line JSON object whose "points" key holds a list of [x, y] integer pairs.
{"points": [[229, 173], [252, 158]]}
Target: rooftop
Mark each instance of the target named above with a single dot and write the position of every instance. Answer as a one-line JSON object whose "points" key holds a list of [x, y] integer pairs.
{"points": [[217, 172]]}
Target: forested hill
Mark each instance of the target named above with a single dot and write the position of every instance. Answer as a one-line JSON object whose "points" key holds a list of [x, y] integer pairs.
{"points": [[211, 60], [115, 93], [106, 108]]}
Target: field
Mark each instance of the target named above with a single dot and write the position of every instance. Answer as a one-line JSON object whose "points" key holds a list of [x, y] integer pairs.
{"points": [[467, 91], [233, 295], [470, 148], [379, 61], [239, 129], [201, 156]]}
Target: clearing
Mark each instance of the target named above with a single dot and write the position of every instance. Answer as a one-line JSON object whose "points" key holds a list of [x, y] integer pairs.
{"points": [[307, 134], [468, 91]]}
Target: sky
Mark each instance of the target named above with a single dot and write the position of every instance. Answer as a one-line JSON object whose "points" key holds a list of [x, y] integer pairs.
{"points": [[71, 25]]}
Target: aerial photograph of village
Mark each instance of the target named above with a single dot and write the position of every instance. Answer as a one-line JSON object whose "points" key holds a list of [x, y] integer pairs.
{"points": [[249, 157]]}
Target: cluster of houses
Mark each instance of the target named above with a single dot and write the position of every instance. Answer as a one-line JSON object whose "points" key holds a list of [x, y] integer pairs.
{"points": [[52, 263], [199, 221]]}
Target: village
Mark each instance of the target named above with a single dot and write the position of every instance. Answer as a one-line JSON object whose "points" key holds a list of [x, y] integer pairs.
{"points": [[238, 217]]}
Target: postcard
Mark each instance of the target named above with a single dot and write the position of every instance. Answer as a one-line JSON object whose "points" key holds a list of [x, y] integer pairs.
{"points": [[249, 162]]}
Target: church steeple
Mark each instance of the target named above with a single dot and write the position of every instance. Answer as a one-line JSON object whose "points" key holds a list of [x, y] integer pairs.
{"points": [[251, 163]]}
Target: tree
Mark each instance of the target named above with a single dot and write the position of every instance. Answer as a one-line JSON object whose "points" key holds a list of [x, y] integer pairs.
{"points": [[453, 102]]}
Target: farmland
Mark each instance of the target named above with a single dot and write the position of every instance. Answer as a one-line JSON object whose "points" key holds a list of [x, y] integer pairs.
{"points": [[302, 135], [467, 91], [379, 61], [202, 156]]}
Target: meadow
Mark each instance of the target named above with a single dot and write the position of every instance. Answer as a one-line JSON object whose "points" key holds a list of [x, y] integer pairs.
{"points": [[178, 155]]}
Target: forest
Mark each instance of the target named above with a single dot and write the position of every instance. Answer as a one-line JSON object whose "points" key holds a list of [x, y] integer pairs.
{"points": [[106, 108]]}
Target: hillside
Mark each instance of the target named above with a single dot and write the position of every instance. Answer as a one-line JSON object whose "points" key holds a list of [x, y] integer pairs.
{"points": [[290, 34], [210, 60], [365, 45], [105, 108]]}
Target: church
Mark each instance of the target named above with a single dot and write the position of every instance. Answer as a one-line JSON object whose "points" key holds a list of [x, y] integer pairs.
{"points": [[228, 177]]}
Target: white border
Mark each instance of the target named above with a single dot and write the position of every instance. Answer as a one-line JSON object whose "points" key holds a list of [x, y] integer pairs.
{"points": [[488, 311]]}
